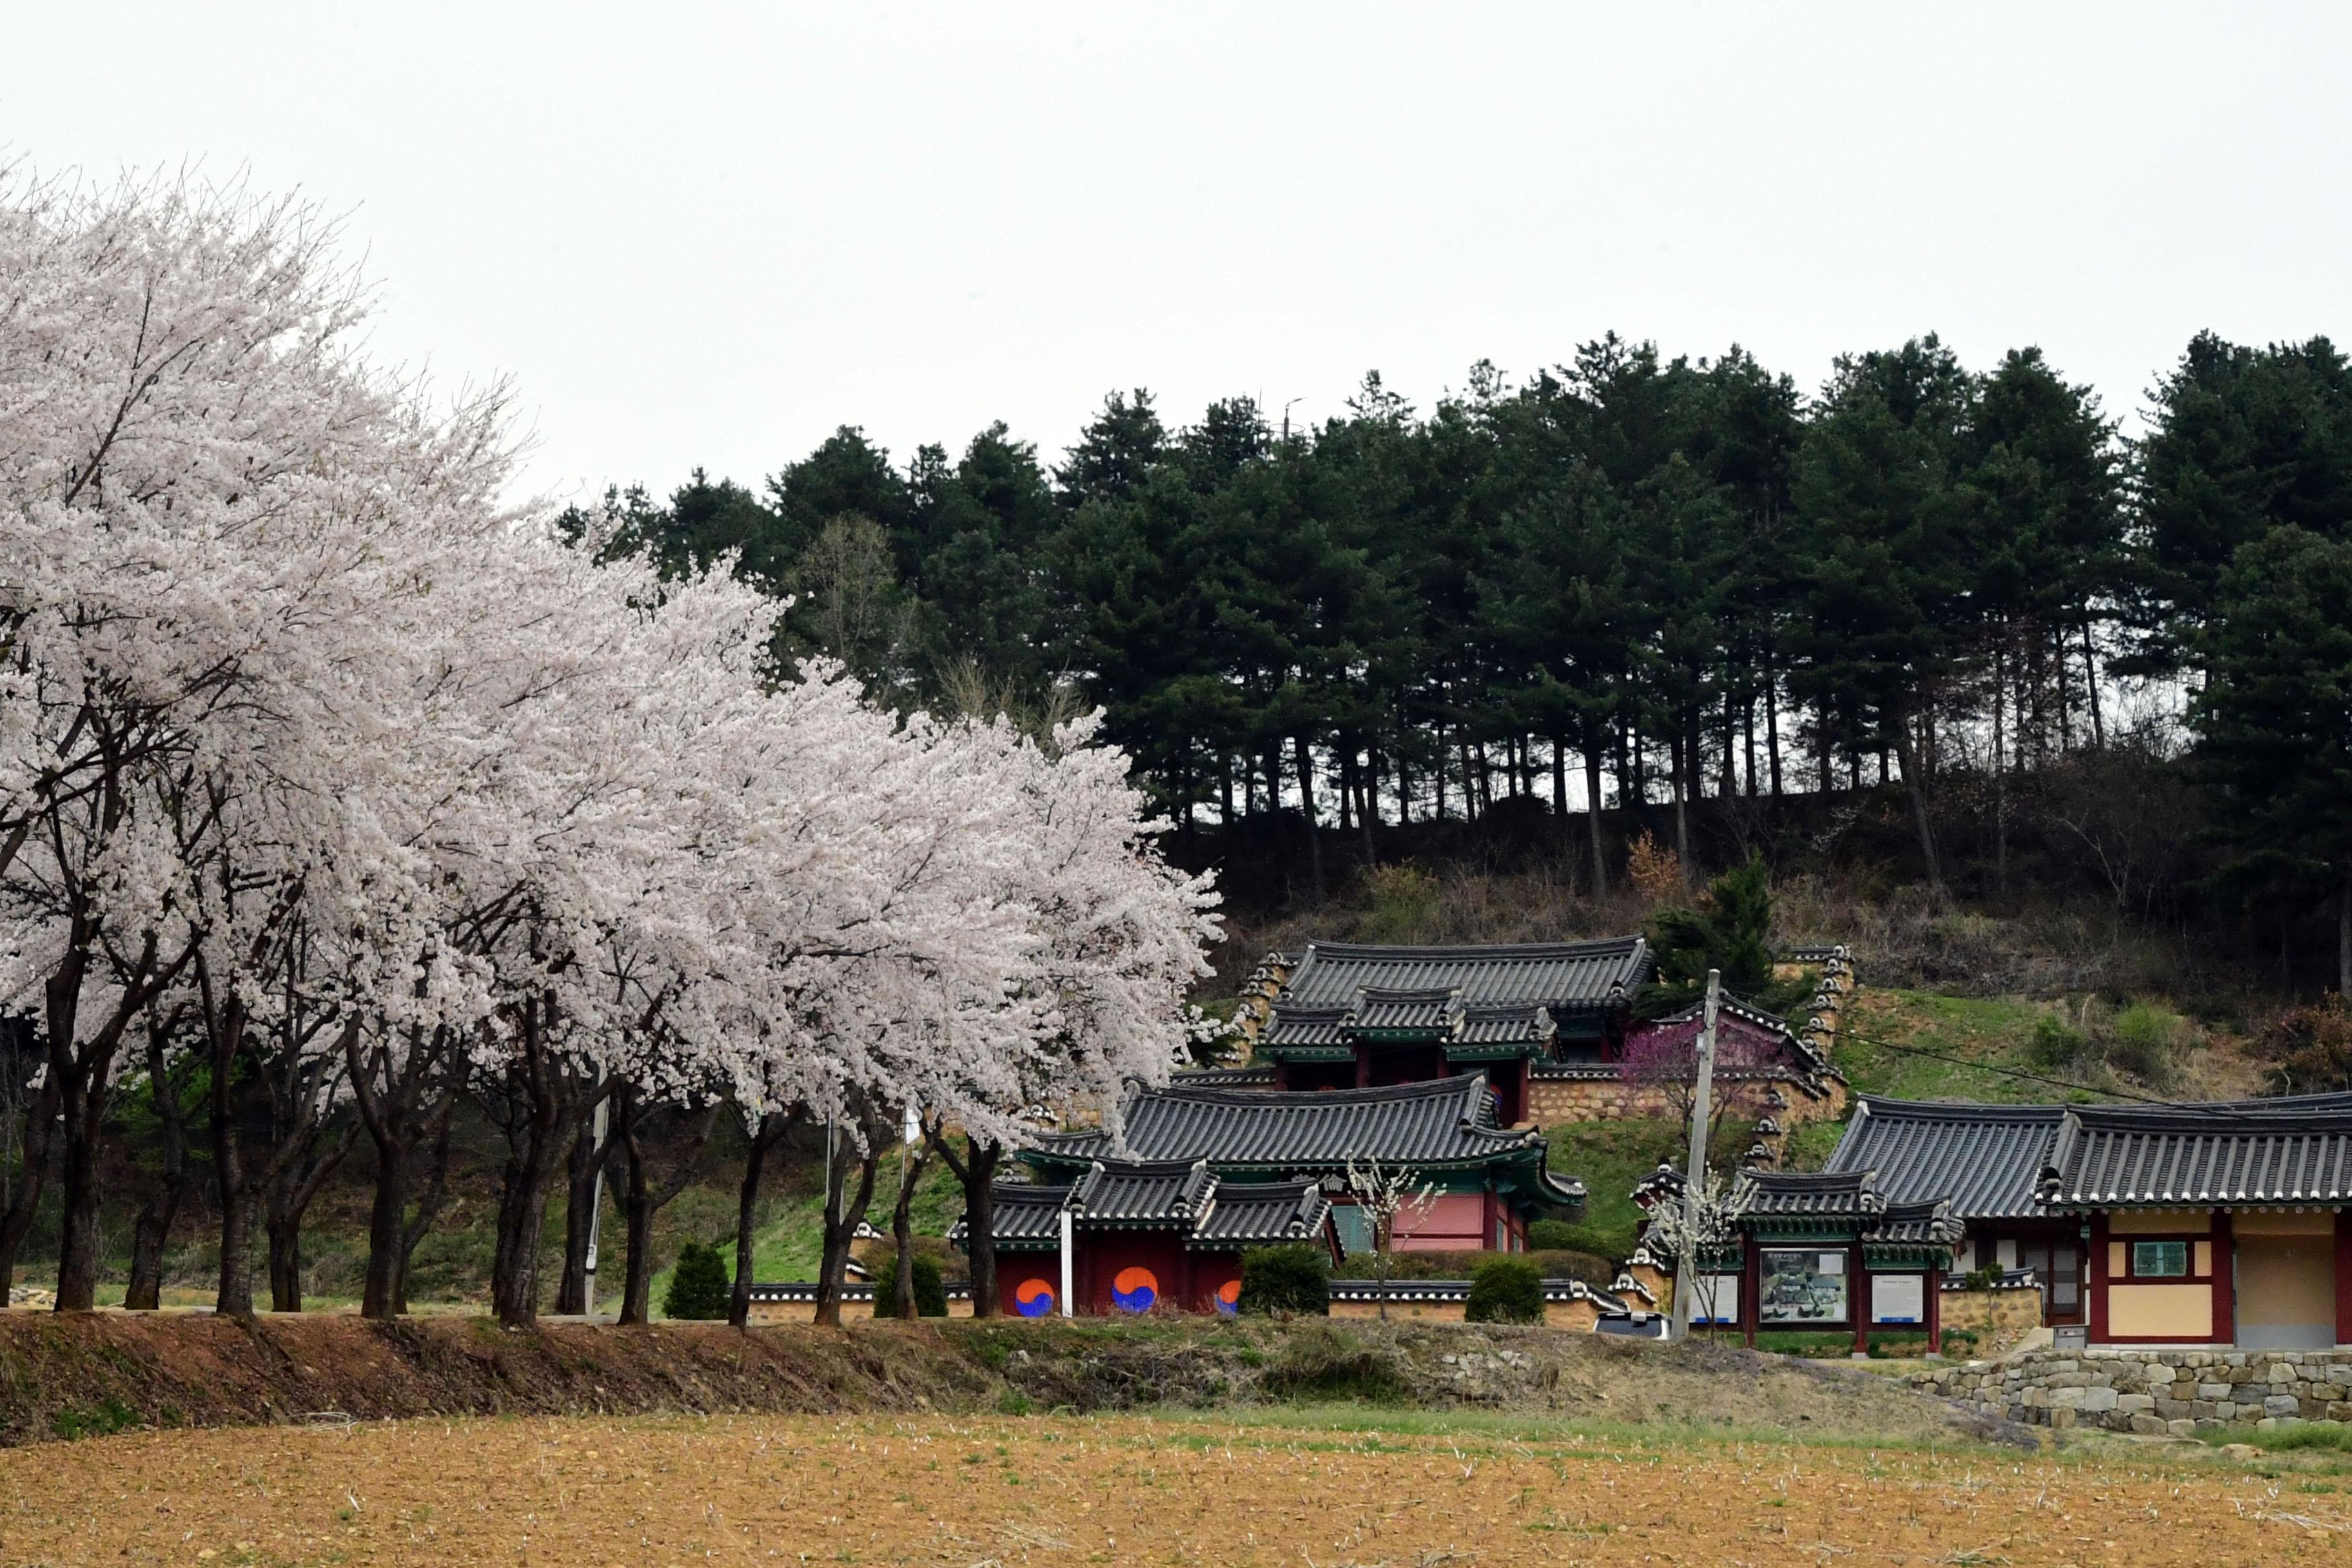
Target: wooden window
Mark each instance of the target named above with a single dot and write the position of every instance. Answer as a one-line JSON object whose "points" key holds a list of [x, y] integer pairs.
{"points": [[2153, 1259]]}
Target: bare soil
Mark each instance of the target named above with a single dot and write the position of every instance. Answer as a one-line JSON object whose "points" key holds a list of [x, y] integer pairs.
{"points": [[971, 1491]]}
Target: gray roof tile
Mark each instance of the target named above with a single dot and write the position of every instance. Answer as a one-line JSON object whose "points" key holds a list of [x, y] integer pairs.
{"points": [[1443, 1121], [1985, 1158], [1565, 976], [2295, 1151], [1262, 1214], [1142, 1193]]}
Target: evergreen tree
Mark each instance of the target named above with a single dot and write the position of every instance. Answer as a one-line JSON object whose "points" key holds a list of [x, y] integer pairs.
{"points": [[2274, 718]]}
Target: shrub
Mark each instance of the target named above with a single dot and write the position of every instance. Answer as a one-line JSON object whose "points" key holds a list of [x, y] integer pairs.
{"points": [[699, 1287], [931, 1291], [1321, 1364], [1551, 1236], [2310, 1047], [2146, 1042], [1295, 1280], [2058, 1046], [1506, 1290]]}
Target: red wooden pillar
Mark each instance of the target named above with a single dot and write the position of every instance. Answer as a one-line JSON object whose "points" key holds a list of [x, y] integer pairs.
{"points": [[1751, 1288], [2225, 1279], [2344, 1276], [1364, 1065], [1857, 1298], [2098, 1312], [1935, 1309]]}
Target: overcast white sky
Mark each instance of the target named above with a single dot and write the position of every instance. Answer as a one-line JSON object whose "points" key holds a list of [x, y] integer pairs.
{"points": [[707, 234]]}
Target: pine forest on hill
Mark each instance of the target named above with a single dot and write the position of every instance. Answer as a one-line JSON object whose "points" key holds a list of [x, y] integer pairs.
{"points": [[1931, 632]]}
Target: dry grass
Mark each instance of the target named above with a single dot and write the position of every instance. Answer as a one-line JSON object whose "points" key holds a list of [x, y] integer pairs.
{"points": [[931, 1489]]}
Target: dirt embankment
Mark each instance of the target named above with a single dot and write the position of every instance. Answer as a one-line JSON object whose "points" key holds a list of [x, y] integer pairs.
{"points": [[67, 1376]]}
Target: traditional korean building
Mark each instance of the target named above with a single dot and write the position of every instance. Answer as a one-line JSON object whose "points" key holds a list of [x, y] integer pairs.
{"points": [[1490, 1179], [2212, 1225], [2216, 1223], [1133, 1235], [1822, 1252], [1353, 1016], [1986, 1162]]}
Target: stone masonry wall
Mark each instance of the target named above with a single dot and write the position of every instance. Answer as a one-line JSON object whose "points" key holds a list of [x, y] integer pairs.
{"points": [[1999, 1317], [2149, 1391]]}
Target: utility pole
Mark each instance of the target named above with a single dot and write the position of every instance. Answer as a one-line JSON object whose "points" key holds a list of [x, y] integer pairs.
{"points": [[1695, 1168]]}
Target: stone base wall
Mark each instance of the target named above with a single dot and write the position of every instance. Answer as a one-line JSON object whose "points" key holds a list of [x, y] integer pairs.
{"points": [[1578, 1317], [1788, 1099], [2152, 1392], [1999, 1317], [851, 1312]]}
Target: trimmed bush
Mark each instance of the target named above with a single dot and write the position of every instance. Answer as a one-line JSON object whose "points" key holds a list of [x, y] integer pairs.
{"points": [[699, 1287], [1288, 1279], [931, 1291], [1551, 1236], [1506, 1290]]}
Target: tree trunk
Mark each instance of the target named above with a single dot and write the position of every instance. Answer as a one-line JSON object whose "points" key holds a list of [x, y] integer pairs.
{"points": [[2091, 688], [1772, 724], [842, 1217], [976, 1172], [24, 1197], [81, 1076], [152, 1231], [579, 1219], [428, 1202], [380, 1288], [774, 1126], [643, 1199], [1305, 764], [285, 1263], [2344, 938], [1999, 784], [1592, 814], [1679, 759], [902, 1230], [1914, 785], [290, 1191], [637, 1224]]}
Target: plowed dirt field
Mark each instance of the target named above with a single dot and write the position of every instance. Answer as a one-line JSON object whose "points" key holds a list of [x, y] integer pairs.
{"points": [[751, 1490]]}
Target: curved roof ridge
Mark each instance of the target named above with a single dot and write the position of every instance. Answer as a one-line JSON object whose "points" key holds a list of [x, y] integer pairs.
{"points": [[1427, 1088], [1953, 1109], [1473, 950]]}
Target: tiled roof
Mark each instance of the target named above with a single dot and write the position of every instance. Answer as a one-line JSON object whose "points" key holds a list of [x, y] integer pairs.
{"points": [[1776, 1198], [1810, 1193], [1563, 975], [1025, 1214], [1985, 1158], [1130, 1193], [1500, 993], [1609, 1303], [799, 1290], [1930, 1223], [1223, 1077], [1442, 1121], [1262, 1214], [1115, 1195], [2251, 1152]]}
